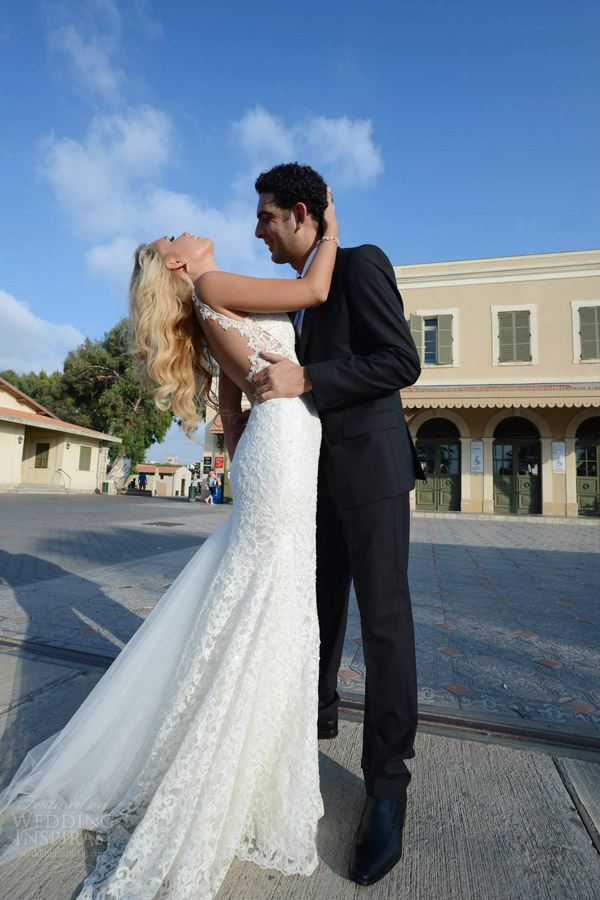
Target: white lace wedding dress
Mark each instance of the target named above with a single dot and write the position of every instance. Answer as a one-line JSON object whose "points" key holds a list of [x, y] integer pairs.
{"points": [[200, 742]]}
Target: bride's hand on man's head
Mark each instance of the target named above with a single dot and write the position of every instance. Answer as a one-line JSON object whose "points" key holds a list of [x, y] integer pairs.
{"points": [[330, 224]]}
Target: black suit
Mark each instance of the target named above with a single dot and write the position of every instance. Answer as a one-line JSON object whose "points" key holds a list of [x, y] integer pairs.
{"points": [[359, 352]]}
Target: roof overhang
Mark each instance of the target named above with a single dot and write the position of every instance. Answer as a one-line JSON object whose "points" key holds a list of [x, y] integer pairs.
{"points": [[58, 425], [24, 398]]}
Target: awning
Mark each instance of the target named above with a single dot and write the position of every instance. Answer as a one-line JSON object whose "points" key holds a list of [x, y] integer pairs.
{"points": [[525, 396]]}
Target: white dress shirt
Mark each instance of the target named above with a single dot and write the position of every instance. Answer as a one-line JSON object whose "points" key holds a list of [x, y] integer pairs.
{"points": [[299, 314]]}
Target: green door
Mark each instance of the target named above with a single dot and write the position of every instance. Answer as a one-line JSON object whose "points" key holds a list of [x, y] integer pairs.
{"points": [[588, 482], [517, 479], [441, 463]]}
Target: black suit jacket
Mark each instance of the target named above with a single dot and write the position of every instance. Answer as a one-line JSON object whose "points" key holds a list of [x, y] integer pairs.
{"points": [[359, 352]]}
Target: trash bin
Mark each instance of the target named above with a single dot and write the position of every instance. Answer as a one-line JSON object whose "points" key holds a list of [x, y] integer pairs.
{"points": [[105, 487], [192, 491]]}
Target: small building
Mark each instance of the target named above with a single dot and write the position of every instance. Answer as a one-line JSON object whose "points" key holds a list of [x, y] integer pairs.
{"points": [[165, 481], [39, 452]]}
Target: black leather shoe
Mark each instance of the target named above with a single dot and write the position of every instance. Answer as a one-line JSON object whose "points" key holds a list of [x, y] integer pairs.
{"points": [[378, 839], [328, 730]]}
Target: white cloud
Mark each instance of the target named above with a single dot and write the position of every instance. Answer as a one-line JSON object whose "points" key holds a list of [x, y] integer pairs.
{"points": [[150, 25], [89, 40], [167, 212], [29, 343], [343, 147], [262, 135], [109, 184], [91, 63], [346, 149], [113, 261], [95, 179]]}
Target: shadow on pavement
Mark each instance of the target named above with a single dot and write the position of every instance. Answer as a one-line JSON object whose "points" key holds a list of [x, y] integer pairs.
{"points": [[30, 623]]}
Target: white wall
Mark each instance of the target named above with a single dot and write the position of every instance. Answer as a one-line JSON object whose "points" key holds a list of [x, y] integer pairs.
{"points": [[11, 452], [80, 480], [9, 402]]}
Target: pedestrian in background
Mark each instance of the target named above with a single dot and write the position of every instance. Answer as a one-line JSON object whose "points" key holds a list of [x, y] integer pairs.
{"points": [[211, 483]]}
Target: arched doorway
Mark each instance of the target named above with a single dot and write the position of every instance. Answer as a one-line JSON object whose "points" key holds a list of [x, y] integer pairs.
{"points": [[517, 467], [438, 447], [587, 451]]}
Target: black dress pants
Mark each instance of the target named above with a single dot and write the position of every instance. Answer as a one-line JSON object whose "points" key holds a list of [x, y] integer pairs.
{"points": [[369, 544]]}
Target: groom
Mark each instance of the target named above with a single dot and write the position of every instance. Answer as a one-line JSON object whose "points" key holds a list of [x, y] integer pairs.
{"points": [[355, 352]]}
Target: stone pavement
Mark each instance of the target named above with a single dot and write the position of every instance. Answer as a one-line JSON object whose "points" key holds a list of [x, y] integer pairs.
{"points": [[507, 622], [507, 613], [484, 819], [49, 535]]}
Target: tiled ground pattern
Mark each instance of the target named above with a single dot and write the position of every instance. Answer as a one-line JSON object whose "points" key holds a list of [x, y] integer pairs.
{"points": [[507, 622], [507, 614]]}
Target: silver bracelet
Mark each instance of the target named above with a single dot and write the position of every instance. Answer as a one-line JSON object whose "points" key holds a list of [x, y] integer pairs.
{"points": [[329, 237]]}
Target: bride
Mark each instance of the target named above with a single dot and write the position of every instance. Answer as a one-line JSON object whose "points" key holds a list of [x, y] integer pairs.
{"points": [[199, 743]]}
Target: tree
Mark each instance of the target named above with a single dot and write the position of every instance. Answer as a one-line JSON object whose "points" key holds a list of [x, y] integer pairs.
{"points": [[101, 378], [99, 388], [50, 391]]}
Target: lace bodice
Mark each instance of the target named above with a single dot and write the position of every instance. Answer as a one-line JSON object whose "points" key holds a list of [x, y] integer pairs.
{"points": [[272, 332]]}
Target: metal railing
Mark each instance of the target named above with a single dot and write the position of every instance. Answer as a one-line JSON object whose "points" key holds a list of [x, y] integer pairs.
{"points": [[65, 475]]}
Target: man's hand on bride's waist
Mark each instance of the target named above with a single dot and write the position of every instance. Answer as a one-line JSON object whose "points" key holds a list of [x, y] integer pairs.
{"points": [[283, 378]]}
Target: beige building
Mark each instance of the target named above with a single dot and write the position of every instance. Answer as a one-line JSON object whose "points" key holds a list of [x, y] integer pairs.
{"points": [[164, 481], [215, 454], [506, 413], [40, 452]]}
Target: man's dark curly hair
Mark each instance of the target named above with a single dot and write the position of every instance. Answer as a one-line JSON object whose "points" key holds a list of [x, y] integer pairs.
{"points": [[291, 183]]}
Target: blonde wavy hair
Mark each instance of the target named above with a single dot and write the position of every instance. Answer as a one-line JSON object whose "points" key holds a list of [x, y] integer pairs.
{"points": [[168, 344]]}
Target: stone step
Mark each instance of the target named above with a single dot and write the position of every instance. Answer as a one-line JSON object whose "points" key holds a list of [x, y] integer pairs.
{"points": [[40, 489]]}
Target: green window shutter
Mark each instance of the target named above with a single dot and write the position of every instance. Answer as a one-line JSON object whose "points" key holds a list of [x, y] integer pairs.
{"points": [[514, 336], [522, 336], [444, 340], [417, 331], [41, 456], [505, 336], [589, 331], [85, 459]]}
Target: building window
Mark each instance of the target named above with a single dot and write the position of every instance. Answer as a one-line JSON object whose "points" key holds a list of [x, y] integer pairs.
{"points": [[41, 456], [434, 337], [430, 341], [514, 335], [589, 332], [85, 459]]}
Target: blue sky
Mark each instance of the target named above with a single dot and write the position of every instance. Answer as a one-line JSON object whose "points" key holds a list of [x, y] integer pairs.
{"points": [[448, 129]]}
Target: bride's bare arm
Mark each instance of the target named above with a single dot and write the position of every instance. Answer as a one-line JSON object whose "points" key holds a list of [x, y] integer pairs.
{"points": [[228, 291], [230, 410]]}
